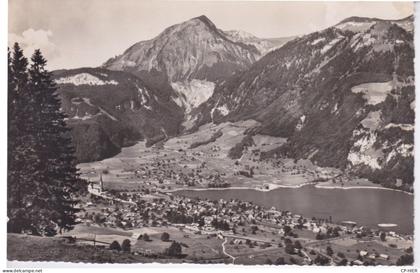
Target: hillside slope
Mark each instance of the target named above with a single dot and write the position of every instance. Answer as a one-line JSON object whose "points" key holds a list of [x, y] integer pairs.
{"points": [[111, 109], [344, 97]]}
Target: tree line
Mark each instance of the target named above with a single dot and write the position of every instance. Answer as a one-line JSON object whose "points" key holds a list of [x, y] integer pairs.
{"points": [[43, 183]]}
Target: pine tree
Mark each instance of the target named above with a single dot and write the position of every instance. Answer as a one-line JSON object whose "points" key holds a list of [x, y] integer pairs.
{"points": [[42, 176], [22, 158], [54, 148]]}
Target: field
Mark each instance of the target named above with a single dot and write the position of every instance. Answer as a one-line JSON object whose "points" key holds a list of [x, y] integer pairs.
{"points": [[195, 246], [31, 248], [175, 165]]}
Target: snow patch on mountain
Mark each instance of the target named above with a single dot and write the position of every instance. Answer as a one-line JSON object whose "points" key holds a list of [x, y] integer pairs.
{"points": [[223, 110], [355, 26], [374, 92], [189, 122], [363, 151], [363, 41], [406, 150], [141, 94], [404, 127], [84, 79], [317, 41], [299, 125], [330, 45], [193, 93], [372, 121]]}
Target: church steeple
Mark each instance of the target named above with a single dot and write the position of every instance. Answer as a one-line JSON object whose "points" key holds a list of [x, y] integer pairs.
{"points": [[101, 183]]}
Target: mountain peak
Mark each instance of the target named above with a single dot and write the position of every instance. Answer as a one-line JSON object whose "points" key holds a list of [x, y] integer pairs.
{"points": [[358, 19], [358, 24], [203, 18], [193, 49]]}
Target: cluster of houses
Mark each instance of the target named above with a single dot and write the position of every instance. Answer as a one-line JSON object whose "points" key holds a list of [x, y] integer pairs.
{"points": [[132, 209], [218, 218], [164, 171]]}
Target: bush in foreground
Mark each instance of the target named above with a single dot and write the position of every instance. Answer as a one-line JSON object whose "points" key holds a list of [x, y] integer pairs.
{"points": [[165, 237], [126, 245], [175, 250], [115, 246]]}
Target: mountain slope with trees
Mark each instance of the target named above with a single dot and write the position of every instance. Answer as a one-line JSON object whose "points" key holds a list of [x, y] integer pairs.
{"points": [[344, 97], [108, 110]]}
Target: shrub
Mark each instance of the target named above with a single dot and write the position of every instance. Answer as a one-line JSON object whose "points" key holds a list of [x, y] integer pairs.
{"points": [[126, 245], [330, 252], [298, 245], [280, 261], [146, 237], [115, 246], [383, 236], [287, 230], [409, 250], [343, 262], [165, 237], [405, 259], [175, 250], [321, 260], [290, 249]]}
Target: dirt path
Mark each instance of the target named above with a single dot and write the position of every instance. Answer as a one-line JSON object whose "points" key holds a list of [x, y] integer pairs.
{"points": [[227, 254]]}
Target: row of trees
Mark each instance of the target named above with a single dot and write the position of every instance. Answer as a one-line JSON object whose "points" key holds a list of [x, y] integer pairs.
{"points": [[43, 181]]}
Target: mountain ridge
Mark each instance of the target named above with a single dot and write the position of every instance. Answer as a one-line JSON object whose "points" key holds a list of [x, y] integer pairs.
{"points": [[343, 96], [337, 86]]}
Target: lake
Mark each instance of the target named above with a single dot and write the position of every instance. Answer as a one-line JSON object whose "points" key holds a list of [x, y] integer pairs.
{"points": [[367, 207]]}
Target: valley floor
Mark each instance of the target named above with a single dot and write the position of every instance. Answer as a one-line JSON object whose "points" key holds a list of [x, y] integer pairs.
{"points": [[131, 198], [202, 160]]}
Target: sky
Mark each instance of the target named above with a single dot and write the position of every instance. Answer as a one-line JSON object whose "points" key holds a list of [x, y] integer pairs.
{"points": [[79, 33]]}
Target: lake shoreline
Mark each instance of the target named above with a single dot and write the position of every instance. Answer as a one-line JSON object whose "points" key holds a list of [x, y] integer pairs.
{"points": [[313, 200], [275, 187]]}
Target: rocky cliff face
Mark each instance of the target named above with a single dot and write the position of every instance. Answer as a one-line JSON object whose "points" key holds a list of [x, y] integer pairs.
{"points": [[344, 97]]}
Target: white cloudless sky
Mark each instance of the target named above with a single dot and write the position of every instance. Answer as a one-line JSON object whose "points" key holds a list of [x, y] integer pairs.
{"points": [[76, 33]]}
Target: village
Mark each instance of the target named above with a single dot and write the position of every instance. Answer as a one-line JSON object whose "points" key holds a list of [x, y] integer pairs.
{"points": [[139, 198], [234, 231]]}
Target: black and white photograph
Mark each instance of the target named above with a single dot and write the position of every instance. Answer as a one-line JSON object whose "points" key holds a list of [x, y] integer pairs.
{"points": [[209, 133]]}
